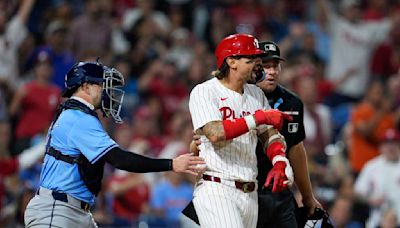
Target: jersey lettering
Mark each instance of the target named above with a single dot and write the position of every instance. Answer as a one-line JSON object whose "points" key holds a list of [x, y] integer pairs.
{"points": [[228, 113]]}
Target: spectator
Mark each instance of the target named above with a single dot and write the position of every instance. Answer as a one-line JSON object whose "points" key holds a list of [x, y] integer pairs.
{"points": [[222, 24], [12, 34], [318, 27], [369, 120], [378, 182], [394, 88], [278, 20], [131, 97], [385, 59], [389, 219], [180, 135], [163, 81], [349, 32], [91, 31], [62, 58], [146, 130], [11, 165], [169, 197], [317, 124], [65, 11], [201, 64], [145, 44], [35, 103], [248, 16], [3, 107], [181, 51], [130, 191], [146, 8], [375, 10], [340, 213], [131, 194]]}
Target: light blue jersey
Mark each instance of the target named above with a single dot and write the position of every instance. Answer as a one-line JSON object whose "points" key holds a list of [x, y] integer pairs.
{"points": [[73, 133]]}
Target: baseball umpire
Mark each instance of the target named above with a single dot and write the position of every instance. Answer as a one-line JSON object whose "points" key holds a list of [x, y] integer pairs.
{"points": [[78, 147], [277, 209]]}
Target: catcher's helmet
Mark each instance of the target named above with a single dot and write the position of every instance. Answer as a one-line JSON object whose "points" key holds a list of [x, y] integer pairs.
{"points": [[236, 45], [80, 73], [95, 72]]}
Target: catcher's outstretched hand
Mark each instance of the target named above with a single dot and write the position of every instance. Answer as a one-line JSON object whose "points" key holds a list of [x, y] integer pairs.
{"points": [[188, 163], [194, 145]]}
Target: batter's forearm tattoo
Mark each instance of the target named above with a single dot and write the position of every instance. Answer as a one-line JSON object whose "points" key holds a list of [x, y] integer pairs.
{"points": [[214, 131], [270, 136]]}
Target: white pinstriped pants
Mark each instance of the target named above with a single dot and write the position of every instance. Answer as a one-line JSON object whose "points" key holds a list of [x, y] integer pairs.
{"points": [[219, 205]]}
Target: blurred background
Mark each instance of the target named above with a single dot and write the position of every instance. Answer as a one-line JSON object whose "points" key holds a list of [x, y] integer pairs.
{"points": [[343, 60]]}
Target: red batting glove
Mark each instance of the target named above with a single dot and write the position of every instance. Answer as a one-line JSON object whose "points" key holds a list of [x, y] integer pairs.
{"points": [[278, 176], [272, 117], [281, 173]]}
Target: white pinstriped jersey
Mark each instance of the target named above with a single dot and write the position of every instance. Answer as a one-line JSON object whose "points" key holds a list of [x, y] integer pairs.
{"points": [[211, 101]]}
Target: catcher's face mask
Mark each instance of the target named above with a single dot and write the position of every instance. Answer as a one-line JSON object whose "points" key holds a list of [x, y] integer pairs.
{"points": [[112, 95]]}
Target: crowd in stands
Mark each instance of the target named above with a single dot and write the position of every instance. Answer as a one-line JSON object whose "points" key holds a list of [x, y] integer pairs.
{"points": [[343, 60]]}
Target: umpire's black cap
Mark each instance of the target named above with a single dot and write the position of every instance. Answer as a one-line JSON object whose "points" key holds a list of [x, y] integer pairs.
{"points": [[271, 49]]}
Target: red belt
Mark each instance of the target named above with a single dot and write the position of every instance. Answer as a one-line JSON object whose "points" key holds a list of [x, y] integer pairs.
{"points": [[244, 186]]}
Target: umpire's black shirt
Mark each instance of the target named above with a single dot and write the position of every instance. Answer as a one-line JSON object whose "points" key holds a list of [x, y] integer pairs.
{"points": [[284, 100]]}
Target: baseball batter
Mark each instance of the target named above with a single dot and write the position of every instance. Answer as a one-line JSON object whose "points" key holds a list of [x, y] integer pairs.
{"points": [[228, 114]]}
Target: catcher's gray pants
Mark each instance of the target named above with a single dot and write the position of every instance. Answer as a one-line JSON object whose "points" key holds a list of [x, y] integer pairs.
{"points": [[44, 211]]}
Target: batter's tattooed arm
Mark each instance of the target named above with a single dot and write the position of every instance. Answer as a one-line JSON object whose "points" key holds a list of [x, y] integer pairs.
{"points": [[269, 136], [214, 131]]}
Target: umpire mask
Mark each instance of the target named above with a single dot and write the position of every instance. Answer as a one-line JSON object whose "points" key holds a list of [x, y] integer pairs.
{"points": [[113, 95]]}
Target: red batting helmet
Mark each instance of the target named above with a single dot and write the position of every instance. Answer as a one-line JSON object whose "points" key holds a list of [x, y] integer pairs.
{"points": [[236, 45]]}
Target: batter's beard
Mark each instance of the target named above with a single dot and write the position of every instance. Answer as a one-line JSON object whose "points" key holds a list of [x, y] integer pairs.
{"points": [[252, 80]]}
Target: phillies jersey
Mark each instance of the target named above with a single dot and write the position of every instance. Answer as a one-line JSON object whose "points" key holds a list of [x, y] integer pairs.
{"points": [[211, 101]]}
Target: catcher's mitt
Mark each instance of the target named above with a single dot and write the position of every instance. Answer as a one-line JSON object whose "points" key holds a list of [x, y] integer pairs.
{"points": [[302, 218]]}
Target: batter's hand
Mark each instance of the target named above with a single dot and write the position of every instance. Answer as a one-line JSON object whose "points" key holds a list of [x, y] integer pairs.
{"points": [[281, 175], [272, 117], [188, 163], [194, 145]]}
